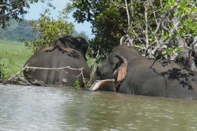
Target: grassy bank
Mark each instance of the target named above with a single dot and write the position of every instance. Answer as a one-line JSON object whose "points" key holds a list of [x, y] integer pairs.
{"points": [[13, 56]]}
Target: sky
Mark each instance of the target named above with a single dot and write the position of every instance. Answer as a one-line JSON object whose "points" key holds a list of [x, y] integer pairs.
{"points": [[37, 8]]}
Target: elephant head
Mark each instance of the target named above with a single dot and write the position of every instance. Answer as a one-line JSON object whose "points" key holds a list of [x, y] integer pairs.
{"points": [[67, 51], [115, 68]]}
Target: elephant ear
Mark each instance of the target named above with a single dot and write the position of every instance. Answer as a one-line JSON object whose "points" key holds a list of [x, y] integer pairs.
{"points": [[120, 70]]}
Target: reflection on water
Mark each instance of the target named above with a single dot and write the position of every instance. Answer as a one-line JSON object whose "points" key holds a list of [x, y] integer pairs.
{"points": [[30, 108]]}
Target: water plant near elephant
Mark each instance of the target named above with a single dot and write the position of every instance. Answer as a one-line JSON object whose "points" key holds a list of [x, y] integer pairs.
{"points": [[76, 85]]}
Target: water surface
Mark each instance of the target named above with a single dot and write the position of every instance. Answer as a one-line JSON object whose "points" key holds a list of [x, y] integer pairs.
{"points": [[30, 108]]}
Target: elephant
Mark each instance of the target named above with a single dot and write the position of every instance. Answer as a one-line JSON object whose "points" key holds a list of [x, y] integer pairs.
{"points": [[68, 52], [138, 75]]}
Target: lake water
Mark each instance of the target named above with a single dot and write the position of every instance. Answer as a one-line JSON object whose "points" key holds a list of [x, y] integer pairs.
{"points": [[30, 108]]}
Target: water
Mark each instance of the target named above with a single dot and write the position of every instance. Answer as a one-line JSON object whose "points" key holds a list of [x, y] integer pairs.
{"points": [[30, 108]]}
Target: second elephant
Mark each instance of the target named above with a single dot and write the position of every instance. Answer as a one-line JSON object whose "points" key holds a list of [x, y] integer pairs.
{"points": [[67, 51]]}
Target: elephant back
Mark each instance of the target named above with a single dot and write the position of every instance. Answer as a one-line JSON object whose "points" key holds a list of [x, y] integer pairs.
{"points": [[77, 43], [67, 52]]}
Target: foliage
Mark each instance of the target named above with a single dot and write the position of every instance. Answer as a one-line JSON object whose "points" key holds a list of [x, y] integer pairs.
{"points": [[76, 85], [48, 30], [150, 26], [13, 57], [2, 72], [107, 25], [15, 9]]}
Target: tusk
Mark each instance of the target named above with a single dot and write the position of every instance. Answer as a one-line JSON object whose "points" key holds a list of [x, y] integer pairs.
{"points": [[98, 83]]}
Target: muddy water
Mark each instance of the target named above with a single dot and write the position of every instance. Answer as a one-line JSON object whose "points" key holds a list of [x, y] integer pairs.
{"points": [[28, 108]]}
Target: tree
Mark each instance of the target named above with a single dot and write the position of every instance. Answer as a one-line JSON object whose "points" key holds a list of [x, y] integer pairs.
{"points": [[107, 25], [15, 9], [49, 30], [163, 29]]}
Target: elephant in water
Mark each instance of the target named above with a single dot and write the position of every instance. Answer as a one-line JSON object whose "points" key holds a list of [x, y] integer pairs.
{"points": [[135, 74], [66, 51]]}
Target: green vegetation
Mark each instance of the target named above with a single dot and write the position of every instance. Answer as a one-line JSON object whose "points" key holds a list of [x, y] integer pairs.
{"points": [[49, 30], [13, 57], [158, 29], [76, 85], [2, 73]]}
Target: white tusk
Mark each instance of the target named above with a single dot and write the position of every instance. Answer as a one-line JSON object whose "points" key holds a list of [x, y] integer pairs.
{"points": [[98, 83]]}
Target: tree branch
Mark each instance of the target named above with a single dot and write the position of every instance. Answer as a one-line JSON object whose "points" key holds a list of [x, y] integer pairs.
{"points": [[43, 68], [18, 73], [128, 14], [146, 26]]}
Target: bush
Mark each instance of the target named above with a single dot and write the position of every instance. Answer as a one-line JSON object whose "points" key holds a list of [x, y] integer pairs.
{"points": [[48, 30]]}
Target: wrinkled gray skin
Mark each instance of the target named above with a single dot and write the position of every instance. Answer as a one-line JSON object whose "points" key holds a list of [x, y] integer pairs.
{"points": [[66, 51], [145, 77]]}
